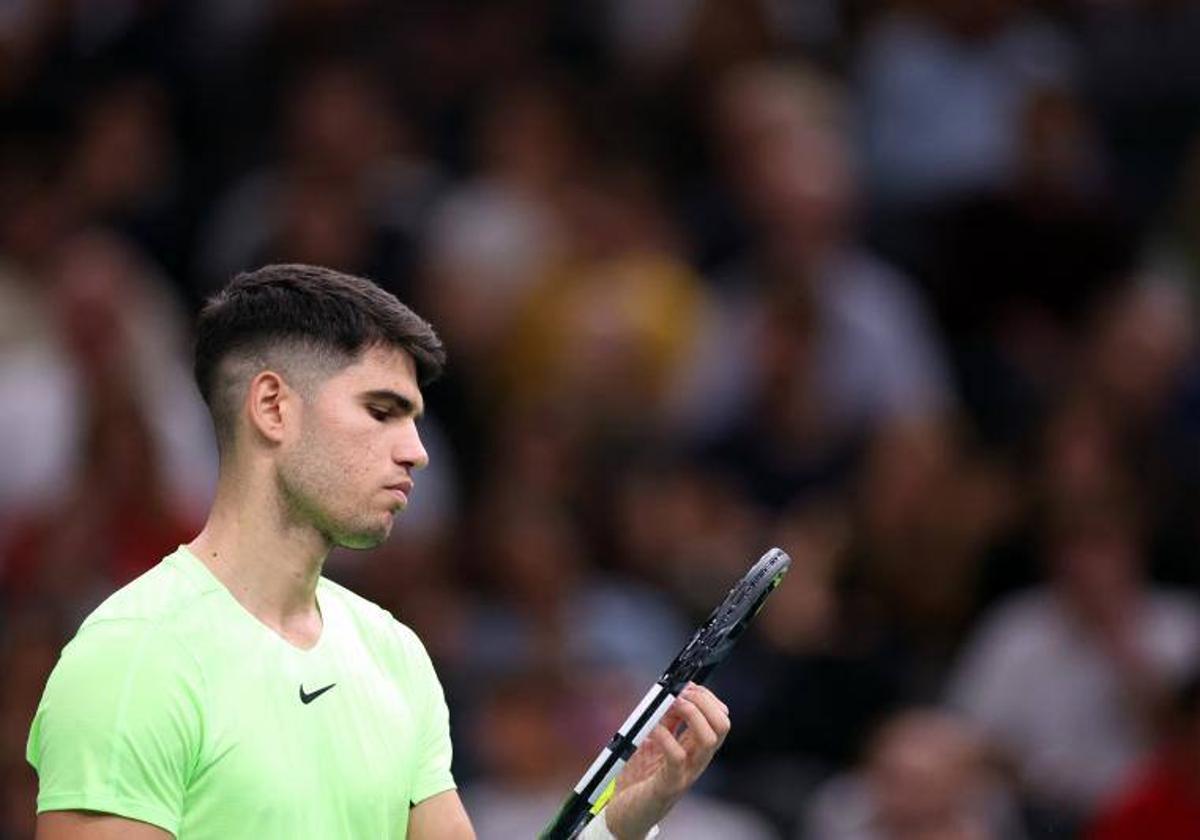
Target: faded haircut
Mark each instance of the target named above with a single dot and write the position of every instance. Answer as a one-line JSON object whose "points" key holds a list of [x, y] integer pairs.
{"points": [[307, 321]]}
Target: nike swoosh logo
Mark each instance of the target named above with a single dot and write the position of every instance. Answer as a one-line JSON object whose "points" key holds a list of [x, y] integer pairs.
{"points": [[308, 698]]}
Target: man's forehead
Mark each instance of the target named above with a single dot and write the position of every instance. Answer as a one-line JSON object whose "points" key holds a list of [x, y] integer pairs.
{"points": [[386, 359], [383, 368]]}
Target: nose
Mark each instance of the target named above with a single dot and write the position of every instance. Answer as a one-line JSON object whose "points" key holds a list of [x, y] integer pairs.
{"points": [[408, 449]]}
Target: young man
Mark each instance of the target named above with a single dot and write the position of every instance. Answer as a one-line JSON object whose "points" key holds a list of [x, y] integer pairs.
{"points": [[232, 692]]}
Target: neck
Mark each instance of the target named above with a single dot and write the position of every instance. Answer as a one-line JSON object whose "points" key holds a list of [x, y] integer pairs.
{"points": [[269, 561]]}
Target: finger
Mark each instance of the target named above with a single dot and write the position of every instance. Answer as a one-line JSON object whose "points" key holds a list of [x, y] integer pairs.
{"points": [[699, 730], [674, 756], [706, 692], [714, 711], [702, 695], [670, 748], [672, 720]]}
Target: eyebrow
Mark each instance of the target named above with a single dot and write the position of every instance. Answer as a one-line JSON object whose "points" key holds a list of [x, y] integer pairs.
{"points": [[401, 403]]}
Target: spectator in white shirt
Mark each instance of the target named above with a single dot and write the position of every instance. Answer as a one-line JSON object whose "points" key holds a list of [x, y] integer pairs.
{"points": [[1067, 678]]}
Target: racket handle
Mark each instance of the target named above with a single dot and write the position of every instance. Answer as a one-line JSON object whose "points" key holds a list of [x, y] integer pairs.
{"points": [[572, 818], [597, 785]]}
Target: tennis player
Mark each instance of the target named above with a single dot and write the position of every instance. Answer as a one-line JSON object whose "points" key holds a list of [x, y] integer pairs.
{"points": [[232, 691]]}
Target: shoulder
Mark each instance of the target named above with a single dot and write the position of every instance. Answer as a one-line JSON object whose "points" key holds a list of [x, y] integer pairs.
{"points": [[374, 624], [147, 621], [110, 654], [1035, 608], [164, 594], [1172, 630], [1020, 627], [1174, 606], [128, 676]]}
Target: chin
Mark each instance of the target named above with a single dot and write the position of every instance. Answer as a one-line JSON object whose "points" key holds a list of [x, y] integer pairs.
{"points": [[363, 539]]}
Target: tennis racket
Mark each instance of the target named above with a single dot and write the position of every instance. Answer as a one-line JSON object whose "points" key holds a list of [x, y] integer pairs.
{"points": [[708, 648]]}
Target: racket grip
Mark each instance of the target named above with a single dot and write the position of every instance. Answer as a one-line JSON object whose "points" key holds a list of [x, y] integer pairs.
{"points": [[572, 818], [596, 787]]}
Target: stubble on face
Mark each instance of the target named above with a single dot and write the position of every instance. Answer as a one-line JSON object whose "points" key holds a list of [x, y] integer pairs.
{"points": [[314, 484], [332, 477]]}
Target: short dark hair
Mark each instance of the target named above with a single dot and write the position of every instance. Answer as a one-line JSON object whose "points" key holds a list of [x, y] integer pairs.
{"points": [[332, 315]]}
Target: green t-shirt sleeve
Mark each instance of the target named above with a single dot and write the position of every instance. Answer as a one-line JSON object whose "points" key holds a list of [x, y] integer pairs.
{"points": [[118, 728], [434, 754]]}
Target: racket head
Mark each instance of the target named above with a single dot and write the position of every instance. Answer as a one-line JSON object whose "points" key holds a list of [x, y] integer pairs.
{"points": [[710, 644], [715, 638]]}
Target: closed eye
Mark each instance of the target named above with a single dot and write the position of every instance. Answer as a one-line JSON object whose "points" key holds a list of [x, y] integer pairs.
{"points": [[384, 405]]}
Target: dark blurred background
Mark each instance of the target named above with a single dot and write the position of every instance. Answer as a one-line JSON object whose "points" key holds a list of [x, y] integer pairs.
{"points": [[907, 287]]}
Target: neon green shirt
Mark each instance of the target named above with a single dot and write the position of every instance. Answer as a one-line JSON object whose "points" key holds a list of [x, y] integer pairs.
{"points": [[175, 706]]}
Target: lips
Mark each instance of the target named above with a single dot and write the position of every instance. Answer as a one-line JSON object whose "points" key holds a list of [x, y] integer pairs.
{"points": [[401, 489]]}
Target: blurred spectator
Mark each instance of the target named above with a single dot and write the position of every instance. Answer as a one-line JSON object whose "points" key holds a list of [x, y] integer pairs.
{"points": [[46, 46], [349, 189], [1068, 678], [610, 330], [32, 639], [543, 602], [137, 477], [221, 30], [114, 322], [708, 36], [521, 734], [495, 235], [827, 384], [35, 412], [1162, 800], [648, 41], [943, 83], [924, 778], [822, 346], [1143, 77], [25, 33], [927, 509], [816, 673], [1108, 402], [1046, 243], [123, 168], [942, 88], [642, 231], [34, 217], [1139, 342], [662, 527], [1173, 249], [1014, 273]]}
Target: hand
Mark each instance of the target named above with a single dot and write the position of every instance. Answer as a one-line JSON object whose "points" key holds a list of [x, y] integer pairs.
{"points": [[666, 764]]}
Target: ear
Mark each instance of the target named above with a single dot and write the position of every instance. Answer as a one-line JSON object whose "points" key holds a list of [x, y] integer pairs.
{"points": [[271, 406]]}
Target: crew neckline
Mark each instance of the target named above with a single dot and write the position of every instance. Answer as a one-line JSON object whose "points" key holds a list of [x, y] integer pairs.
{"points": [[323, 604]]}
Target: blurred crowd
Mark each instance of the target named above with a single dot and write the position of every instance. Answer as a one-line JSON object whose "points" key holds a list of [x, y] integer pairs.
{"points": [[906, 287]]}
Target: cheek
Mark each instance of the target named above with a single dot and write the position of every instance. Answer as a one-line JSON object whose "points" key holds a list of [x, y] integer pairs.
{"points": [[321, 464], [343, 459], [352, 458]]}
